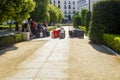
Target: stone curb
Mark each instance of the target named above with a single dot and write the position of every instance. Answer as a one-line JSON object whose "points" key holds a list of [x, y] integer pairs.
{"points": [[112, 51]]}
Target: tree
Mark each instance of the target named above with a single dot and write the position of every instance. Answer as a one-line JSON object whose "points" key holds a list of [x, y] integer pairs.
{"points": [[87, 20], [15, 9], [69, 17], [83, 16], [55, 14], [41, 12], [25, 6], [77, 20], [6, 10]]}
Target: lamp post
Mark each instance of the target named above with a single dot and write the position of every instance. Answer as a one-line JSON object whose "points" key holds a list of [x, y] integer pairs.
{"points": [[89, 5]]}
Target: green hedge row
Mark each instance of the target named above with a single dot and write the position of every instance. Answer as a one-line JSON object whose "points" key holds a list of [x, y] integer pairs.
{"points": [[77, 20], [2, 27], [51, 28], [82, 28], [112, 41], [8, 40], [105, 19], [87, 20]]}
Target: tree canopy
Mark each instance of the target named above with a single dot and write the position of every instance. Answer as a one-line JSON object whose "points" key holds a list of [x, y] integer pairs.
{"points": [[77, 20], [55, 14], [15, 9], [41, 14]]}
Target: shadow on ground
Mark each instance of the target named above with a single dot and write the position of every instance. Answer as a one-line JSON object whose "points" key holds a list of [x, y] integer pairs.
{"points": [[76, 37], [101, 49], [9, 48]]}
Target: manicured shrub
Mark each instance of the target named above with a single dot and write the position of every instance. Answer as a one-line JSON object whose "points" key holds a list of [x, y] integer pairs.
{"points": [[8, 40], [87, 20], [112, 41], [83, 12], [77, 20], [82, 28], [105, 19]]}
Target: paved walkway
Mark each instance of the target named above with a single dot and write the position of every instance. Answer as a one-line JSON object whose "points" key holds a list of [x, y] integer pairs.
{"points": [[50, 62], [69, 59]]}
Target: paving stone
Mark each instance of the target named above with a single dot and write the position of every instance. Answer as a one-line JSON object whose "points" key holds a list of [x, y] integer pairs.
{"points": [[56, 65], [52, 73], [65, 58], [24, 74], [19, 79]]}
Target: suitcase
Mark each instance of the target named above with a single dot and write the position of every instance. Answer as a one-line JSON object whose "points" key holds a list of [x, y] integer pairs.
{"points": [[71, 34], [55, 34], [62, 35], [78, 33]]}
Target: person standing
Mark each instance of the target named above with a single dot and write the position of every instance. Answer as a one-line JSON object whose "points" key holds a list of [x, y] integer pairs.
{"points": [[44, 26]]}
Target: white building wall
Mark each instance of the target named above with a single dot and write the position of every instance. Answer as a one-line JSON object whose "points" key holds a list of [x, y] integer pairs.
{"points": [[85, 4], [64, 7]]}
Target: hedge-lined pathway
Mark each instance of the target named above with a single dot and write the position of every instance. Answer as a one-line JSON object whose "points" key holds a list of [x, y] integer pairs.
{"points": [[69, 59]]}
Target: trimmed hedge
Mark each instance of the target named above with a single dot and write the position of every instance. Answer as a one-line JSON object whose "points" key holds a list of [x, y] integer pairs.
{"points": [[87, 20], [3, 27], [112, 41], [105, 19], [8, 40], [83, 13], [77, 21], [82, 28], [51, 28]]}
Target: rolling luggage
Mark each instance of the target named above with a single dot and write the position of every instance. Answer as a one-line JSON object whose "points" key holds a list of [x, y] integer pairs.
{"points": [[79, 33], [55, 34], [71, 34], [62, 33]]}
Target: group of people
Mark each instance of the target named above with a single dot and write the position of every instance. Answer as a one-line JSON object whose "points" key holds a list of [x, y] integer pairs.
{"points": [[36, 29]]}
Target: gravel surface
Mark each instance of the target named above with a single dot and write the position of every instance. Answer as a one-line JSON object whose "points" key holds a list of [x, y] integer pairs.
{"points": [[14, 55], [92, 62]]}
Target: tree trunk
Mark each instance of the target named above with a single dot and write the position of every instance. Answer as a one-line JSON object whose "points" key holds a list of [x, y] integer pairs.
{"points": [[16, 27]]}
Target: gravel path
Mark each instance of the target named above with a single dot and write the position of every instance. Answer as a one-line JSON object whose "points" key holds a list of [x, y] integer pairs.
{"points": [[14, 55], [92, 62]]}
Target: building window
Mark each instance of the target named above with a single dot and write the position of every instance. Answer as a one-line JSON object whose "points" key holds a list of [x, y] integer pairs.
{"points": [[69, 2], [73, 11], [58, 6], [64, 2], [65, 16], [73, 7], [69, 11], [54, 1], [65, 12], [65, 7], [69, 7], [73, 2], [58, 2]]}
